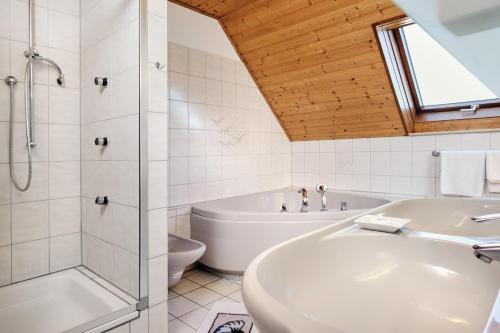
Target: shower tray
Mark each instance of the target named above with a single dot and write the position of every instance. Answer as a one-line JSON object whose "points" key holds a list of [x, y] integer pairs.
{"points": [[68, 301]]}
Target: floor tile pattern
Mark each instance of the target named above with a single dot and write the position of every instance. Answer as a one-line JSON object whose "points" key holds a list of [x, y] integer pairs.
{"points": [[190, 300]]}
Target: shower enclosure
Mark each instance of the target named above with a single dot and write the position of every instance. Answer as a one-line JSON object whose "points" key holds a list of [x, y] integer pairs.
{"points": [[72, 240]]}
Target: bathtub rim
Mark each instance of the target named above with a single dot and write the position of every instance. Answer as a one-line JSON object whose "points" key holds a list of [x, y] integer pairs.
{"points": [[219, 264], [208, 210]]}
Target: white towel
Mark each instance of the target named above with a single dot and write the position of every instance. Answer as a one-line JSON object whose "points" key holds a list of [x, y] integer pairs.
{"points": [[462, 172], [493, 170]]}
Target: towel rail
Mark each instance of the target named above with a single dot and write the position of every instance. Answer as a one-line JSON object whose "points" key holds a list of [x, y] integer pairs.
{"points": [[437, 153]]}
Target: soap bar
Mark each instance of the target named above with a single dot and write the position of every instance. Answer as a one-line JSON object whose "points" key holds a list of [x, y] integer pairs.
{"points": [[381, 223]]}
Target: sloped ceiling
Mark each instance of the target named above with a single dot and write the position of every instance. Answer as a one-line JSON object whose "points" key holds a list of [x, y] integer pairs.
{"points": [[317, 62]]}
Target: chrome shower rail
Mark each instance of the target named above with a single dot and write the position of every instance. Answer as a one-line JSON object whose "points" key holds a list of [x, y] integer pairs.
{"points": [[11, 81]]}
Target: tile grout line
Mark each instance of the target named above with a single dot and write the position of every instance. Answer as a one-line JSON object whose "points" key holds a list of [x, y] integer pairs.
{"points": [[203, 306], [205, 287]]}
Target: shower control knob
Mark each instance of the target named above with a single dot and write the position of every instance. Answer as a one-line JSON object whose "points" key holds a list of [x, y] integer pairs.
{"points": [[101, 141], [103, 201], [101, 81]]}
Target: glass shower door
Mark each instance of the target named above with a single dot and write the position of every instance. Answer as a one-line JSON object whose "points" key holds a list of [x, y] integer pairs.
{"points": [[110, 141]]}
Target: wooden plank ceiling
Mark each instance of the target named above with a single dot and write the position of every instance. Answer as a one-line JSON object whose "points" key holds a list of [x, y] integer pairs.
{"points": [[317, 62]]}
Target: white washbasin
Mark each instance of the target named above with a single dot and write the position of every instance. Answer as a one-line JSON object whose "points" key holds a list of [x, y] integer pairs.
{"points": [[446, 216], [345, 279]]}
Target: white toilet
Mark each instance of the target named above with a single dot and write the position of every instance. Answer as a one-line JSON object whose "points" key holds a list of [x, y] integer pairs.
{"points": [[182, 253]]}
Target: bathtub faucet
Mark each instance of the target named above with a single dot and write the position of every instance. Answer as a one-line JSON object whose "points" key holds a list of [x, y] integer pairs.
{"points": [[322, 188], [305, 200]]}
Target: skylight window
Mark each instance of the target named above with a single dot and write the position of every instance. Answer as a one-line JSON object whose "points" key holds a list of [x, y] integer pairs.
{"points": [[427, 80], [439, 77]]}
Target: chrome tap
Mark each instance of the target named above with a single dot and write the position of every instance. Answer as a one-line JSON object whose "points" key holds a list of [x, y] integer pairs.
{"points": [[486, 218], [487, 252], [305, 200], [322, 189]]}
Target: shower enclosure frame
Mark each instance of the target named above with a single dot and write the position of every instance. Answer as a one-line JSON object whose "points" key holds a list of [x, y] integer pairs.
{"points": [[143, 157], [131, 313]]}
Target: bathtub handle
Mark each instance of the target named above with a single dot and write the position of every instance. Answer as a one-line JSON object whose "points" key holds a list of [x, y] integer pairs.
{"points": [[283, 207], [322, 189], [305, 200]]}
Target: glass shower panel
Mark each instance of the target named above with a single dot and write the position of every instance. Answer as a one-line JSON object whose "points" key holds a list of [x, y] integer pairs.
{"points": [[110, 141]]}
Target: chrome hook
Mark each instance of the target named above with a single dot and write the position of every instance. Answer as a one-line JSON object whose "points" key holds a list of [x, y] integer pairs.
{"points": [[159, 66]]}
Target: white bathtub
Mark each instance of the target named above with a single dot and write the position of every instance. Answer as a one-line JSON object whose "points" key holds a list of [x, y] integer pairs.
{"points": [[235, 230], [67, 301]]}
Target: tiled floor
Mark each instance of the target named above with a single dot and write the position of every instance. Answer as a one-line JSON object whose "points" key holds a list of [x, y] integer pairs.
{"points": [[190, 300]]}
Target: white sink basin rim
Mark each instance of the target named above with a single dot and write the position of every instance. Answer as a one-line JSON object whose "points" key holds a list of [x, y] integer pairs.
{"points": [[345, 279]]}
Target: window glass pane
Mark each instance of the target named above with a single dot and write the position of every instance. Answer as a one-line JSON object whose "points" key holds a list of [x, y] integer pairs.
{"points": [[441, 79]]}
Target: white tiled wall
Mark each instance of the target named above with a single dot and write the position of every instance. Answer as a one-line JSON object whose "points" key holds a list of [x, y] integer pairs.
{"points": [[399, 165], [224, 140], [155, 318], [158, 168], [110, 48], [35, 225], [179, 221]]}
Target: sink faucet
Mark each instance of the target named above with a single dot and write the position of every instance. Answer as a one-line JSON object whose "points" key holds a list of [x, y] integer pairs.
{"points": [[305, 200], [487, 252], [486, 218], [321, 188]]}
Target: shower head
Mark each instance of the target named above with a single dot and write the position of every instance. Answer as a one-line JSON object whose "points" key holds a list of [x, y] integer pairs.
{"points": [[34, 55], [60, 79]]}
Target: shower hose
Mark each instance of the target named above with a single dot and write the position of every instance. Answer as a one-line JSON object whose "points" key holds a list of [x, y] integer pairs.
{"points": [[11, 82]]}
